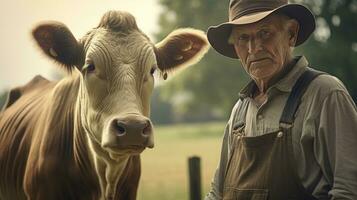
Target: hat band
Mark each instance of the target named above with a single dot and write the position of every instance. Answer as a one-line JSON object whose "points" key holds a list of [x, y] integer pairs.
{"points": [[252, 10]]}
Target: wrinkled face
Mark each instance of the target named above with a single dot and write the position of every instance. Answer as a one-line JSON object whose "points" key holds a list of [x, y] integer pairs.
{"points": [[264, 47], [118, 81]]}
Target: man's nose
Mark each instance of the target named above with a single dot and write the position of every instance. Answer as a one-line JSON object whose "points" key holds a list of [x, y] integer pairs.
{"points": [[254, 46]]}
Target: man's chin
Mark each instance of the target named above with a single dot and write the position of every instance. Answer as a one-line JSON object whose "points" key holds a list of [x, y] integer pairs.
{"points": [[261, 73]]}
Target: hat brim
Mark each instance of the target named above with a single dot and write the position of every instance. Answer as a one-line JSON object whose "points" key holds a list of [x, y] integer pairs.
{"points": [[218, 35]]}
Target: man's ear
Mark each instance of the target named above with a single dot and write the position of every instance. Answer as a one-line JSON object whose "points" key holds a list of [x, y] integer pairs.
{"points": [[293, 30], [57, 42], [180, 49]]}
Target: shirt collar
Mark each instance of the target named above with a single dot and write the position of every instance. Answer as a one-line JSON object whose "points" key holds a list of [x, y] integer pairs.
{"points": [[285, 84]]}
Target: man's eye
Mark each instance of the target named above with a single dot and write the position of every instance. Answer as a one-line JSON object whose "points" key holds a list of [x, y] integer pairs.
{"points": [[265, 34], [243, 37]]}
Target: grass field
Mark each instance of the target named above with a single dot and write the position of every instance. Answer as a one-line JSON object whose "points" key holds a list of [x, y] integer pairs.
{"points": [[165, 168]]}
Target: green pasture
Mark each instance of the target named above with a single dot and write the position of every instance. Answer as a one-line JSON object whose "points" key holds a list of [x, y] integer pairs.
{"points": [[165, 168]]}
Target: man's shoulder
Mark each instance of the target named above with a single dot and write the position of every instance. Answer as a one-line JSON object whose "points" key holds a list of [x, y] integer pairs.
{"points": [[320, 90], [327, 82], [324, 85]]}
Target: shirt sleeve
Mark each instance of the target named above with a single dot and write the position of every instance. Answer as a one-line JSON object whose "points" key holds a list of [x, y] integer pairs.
{"points": [[337, 146]]}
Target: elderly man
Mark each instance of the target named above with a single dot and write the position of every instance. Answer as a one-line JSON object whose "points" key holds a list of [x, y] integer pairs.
{"points": [[293, 132]]}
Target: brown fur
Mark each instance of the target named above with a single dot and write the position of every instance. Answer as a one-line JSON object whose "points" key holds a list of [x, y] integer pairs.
{"points": [[56, 37], [44, 115]]}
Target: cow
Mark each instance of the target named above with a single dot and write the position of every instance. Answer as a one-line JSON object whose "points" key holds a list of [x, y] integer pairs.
{"points": [[81, 137]]}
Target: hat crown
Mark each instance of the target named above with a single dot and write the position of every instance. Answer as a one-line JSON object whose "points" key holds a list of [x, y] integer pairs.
{"points": [[250, 11], [239, 8]]}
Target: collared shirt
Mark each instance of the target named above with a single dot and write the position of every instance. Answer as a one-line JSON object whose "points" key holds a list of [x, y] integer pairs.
{"points": [[324, 133]]}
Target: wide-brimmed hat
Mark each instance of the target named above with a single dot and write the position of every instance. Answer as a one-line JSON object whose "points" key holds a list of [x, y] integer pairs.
{"points": [[250, 11]]}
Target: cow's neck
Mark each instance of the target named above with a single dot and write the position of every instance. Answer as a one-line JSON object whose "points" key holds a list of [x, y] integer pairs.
{"points": [[67, 92], [108, 168]]}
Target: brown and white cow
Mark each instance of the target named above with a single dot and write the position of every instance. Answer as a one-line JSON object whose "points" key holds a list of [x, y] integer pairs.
{"points": [[80, 138]]}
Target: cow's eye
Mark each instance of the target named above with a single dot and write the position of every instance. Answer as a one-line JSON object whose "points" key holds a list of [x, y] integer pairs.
{"points": [[152, 70], [90, 68]]}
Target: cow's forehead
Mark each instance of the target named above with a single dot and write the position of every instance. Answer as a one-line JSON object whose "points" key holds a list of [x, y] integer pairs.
{"points": [[134, 47]]}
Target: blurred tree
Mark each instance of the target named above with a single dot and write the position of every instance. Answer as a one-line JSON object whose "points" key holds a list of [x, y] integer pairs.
{"points": [[212, 85], [161, 111], [334, 46]]}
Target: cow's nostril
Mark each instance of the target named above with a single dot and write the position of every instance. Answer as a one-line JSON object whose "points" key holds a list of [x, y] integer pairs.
{"points": [[147, 129], [119, 127]]}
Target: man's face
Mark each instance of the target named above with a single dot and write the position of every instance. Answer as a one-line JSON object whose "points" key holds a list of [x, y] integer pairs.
{"points": [[264, 47]]}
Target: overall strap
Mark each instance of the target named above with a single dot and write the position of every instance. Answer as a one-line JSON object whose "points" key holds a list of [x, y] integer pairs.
{"points": [[293, 102]]}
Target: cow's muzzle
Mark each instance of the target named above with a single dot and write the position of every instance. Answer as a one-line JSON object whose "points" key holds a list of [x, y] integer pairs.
{"points": [[131, 132]]}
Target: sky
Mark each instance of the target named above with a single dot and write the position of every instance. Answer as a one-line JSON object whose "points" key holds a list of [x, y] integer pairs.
{"points": [[21, 59]]}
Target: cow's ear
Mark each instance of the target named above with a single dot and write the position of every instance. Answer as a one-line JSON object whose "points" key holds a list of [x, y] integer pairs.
{"points": [[181, 48], [57, 42]]}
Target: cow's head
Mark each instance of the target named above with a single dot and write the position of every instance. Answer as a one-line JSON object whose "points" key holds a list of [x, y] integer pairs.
{"points": [[117, 62]]}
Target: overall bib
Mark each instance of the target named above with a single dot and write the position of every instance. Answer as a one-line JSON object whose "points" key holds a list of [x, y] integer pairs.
{"points": [[264, 167]]}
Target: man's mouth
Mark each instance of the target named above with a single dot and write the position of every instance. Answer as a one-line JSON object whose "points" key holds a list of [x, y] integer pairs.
{"points": [[259, 60]]}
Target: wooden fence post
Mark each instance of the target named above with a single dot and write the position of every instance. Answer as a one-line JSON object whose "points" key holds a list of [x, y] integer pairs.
{"points": [[194, 165]]}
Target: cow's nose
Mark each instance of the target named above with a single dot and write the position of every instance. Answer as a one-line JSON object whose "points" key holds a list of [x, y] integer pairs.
{"points": [[130, 131], [124, 126]]}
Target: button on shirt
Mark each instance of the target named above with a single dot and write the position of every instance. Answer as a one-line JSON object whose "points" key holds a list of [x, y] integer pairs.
{"points": [[324, 133]]}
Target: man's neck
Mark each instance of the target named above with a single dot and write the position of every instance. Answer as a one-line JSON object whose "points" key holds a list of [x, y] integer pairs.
{"points": [[263, 85]]}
